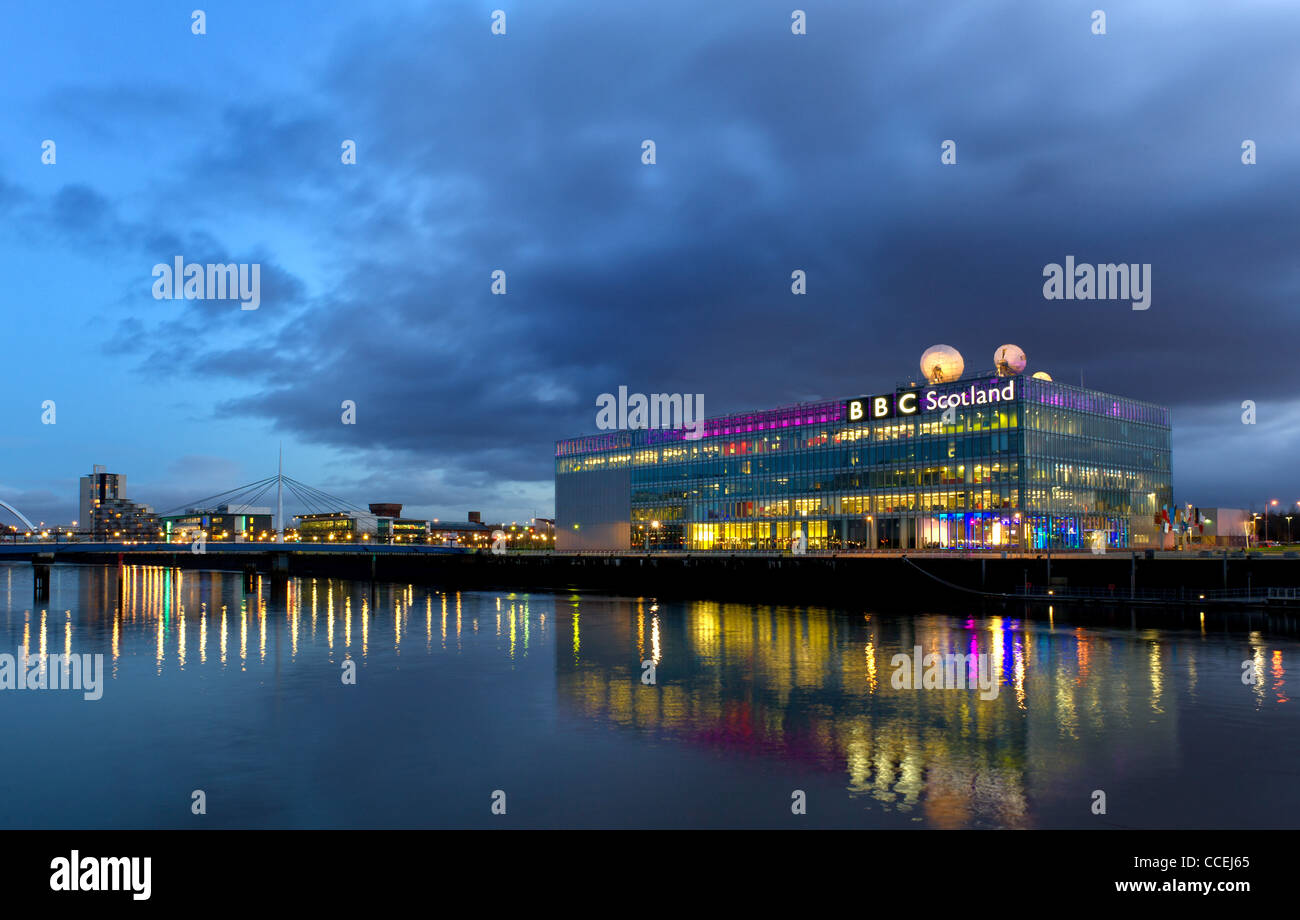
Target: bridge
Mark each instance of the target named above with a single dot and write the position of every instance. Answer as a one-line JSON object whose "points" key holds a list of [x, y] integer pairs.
{"points": [[314, 500], [154, 553], [18, 514], [853, 582]]}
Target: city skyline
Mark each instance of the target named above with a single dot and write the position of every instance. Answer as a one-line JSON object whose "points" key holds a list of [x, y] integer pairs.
{"points": [[818, 153], [438, 415]]}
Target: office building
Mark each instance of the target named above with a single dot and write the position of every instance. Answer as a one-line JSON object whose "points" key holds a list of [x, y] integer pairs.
{"points": [[995, 460]]}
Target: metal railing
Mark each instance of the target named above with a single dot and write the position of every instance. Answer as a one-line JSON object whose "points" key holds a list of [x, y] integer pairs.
{"points": [[1177, 594]]}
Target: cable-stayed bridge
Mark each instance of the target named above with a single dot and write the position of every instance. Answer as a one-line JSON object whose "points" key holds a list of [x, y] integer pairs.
{"points": [[193, 536], [249, 495]]}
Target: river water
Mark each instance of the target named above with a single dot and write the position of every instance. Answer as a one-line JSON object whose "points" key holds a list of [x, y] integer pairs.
{"points": [[328, 703]]}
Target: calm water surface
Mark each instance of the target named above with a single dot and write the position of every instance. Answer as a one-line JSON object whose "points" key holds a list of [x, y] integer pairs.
{"points": [[541, 696]]}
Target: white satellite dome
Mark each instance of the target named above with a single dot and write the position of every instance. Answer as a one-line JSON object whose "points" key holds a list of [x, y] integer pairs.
{"points": [[1042, 375], [1009, 360], [942, 363]]}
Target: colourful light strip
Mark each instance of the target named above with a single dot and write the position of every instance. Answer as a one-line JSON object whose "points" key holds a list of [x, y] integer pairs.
{"points": [[1044, 392], [745, 423]]}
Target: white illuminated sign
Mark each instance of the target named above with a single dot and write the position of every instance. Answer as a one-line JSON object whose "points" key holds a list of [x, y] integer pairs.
{"points": [[910, 402], [974, 396]]}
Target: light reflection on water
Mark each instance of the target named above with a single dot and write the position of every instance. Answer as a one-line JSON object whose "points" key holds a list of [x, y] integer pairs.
{"points": [[547, 697]]}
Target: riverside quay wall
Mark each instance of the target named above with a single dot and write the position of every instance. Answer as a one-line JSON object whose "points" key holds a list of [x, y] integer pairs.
{"points": [[843, 580]]}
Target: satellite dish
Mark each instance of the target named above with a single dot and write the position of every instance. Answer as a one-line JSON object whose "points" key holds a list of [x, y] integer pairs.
{"points": [[1009, 360], [942, 364], [1042, 375]]}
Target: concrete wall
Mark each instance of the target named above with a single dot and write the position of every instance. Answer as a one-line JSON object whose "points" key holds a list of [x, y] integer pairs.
{"points": [[1227, 527], [600, 504]]}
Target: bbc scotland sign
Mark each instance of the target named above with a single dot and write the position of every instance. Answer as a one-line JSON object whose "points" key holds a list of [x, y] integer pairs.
{"points": [[904, 403]]}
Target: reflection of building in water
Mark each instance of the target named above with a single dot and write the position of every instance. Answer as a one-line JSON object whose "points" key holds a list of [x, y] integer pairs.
{"points": [[1111, 697], [196, 617], [814, 688], [192, 618]]}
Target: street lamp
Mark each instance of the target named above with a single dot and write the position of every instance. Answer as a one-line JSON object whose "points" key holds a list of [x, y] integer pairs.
{"points": [[1272, 502]]}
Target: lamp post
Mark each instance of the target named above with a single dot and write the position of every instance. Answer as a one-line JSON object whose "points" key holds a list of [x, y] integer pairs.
{"points": [[1273, 503], [1288, 528]]}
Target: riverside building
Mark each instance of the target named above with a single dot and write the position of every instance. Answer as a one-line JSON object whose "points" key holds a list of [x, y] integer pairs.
{"points": [[1001, 460]]}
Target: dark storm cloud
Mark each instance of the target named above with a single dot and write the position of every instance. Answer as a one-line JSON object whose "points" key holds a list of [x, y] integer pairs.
{"points": [[775, 153], [822, 156]]}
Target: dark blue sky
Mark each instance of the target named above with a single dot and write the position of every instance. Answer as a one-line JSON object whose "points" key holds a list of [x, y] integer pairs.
{"points": [[522, 152]]}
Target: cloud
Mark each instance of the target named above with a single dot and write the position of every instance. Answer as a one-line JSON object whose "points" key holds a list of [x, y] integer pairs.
{"points": [[775, 153]]}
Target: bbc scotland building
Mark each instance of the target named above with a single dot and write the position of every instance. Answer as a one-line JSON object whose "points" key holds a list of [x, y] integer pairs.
{"points": [[995, 461]]}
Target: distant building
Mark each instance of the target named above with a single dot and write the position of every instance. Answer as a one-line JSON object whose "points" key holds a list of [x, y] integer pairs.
{"points": [[360, 526], [540, 535], [475, 534], [231, 523], [1223, 527], [337, 526], [404, 530], [457, 533], [98, 487], [104, 510], [391, 527]]}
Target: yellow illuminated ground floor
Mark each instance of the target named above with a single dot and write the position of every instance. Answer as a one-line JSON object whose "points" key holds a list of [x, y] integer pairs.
{"points": [[1010, 530]]}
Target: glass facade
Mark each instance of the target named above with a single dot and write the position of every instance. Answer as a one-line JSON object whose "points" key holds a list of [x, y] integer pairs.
{"points": [[1038, 464]]}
